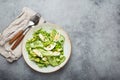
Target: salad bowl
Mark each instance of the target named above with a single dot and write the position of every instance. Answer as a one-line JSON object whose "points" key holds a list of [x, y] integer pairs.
{"points": [[66, 47]]}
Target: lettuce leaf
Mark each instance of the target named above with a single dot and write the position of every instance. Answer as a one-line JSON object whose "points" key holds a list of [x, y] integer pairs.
{"points": [[51, 59]]}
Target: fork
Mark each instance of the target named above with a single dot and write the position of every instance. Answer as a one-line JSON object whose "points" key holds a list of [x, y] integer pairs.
{"points": [[34, 20]]}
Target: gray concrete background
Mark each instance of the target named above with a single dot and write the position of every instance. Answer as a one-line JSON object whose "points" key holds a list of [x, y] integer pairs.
{"points": [[94, 30]]}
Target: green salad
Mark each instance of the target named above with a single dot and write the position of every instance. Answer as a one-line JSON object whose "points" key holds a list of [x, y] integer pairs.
{"points": [[46, 48]]}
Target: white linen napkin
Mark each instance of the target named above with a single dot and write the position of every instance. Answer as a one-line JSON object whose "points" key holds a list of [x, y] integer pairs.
{"points": [[19, 23]]}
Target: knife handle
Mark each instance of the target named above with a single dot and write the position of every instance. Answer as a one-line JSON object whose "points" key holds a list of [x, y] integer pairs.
{"points": [[16, 36], [17, 42]]}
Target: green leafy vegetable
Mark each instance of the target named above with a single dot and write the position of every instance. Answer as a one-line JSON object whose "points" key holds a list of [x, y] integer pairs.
{"points": [[46, 48]]}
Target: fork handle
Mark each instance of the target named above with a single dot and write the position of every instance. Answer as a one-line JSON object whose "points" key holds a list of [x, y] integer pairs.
{"points": [[16, 36], [17, 42]]}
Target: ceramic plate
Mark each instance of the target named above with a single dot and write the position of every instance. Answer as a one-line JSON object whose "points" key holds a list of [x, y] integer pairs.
{"points": [[67, 47]]}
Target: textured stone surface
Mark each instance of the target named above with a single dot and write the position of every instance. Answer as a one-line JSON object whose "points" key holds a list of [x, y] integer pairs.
{"points": [[94, 30]]}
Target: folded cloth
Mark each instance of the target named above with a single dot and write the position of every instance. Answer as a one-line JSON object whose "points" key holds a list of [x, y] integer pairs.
{"points": [[19, 23]]}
